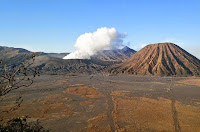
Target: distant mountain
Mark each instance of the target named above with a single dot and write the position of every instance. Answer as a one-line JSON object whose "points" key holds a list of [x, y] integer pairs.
{"points": [[160, 59], [115, 55], [49, 62], [16, 56], [53, 62]]}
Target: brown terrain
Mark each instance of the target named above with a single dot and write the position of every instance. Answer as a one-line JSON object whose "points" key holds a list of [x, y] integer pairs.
{"points": [[160, 59], [101, 102]]}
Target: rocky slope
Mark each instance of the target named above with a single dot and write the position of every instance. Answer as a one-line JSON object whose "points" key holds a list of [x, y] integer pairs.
{"points": [[47, 64], [160, 59], [116, 55]]}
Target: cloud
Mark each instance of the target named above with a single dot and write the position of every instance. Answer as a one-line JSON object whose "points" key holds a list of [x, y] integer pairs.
{"points": [[89, 44]]}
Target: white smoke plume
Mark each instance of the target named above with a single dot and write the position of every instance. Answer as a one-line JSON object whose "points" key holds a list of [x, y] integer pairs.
{"points": [[89, 44]]}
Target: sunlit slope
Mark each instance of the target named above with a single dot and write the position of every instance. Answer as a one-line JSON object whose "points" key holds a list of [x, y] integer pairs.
{"points": [[160, 59]]}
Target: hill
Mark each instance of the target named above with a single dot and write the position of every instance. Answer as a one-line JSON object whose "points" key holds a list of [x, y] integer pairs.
{"points": [[115, 55], [10, 55], [160, 59]]}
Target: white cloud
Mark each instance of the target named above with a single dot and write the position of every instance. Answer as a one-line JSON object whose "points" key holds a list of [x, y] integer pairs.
{"points": [[89, 44]]}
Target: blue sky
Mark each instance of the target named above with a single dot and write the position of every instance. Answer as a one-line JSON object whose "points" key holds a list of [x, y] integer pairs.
{"points": [[54, 25]]}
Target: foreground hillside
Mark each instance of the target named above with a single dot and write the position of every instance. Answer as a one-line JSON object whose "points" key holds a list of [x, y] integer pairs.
{"points": [[160, 59]]}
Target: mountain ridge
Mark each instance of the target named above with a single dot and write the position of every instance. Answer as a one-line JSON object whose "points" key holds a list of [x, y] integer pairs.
{"points": [[115, 55], [53, 62]]}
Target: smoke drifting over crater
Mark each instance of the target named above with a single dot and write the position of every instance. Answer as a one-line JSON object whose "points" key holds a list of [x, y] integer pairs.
{"points": [[89, 44]]}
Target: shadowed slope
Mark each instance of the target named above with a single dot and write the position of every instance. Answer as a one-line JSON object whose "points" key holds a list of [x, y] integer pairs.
{"points": [[47, 64], [161, 59]]}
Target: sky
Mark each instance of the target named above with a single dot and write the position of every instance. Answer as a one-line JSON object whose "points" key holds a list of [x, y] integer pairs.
{"points": [[54, 25]]}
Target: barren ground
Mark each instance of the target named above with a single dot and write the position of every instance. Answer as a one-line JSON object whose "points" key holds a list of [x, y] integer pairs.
{"points": [[110, 103]]}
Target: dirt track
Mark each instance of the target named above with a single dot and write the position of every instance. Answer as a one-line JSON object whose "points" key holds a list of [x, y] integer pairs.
{"points": [[111, 103]]}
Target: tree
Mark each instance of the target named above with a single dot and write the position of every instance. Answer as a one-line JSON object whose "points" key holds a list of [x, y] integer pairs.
{"points": [[14, 77], [11, 78]]}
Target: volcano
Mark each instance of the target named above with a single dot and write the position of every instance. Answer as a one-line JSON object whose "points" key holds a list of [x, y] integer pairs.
{"points": [[160, 59]]}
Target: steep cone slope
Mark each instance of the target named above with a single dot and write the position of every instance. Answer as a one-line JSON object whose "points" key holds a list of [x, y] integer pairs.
{"points": [[160, 59]]}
